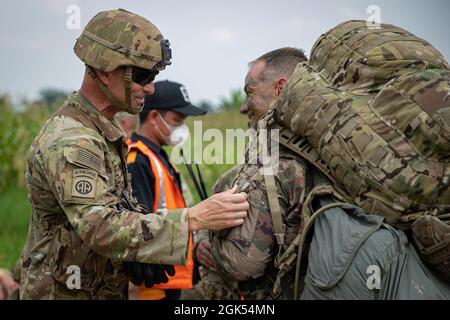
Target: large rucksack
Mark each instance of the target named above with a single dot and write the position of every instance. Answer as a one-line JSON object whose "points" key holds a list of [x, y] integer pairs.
{"points": [[371, 110]]}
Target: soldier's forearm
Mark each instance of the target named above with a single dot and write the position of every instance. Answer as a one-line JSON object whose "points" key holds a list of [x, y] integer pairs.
{"points": [[130, 236]]}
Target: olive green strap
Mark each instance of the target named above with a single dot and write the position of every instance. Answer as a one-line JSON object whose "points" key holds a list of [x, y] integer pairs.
{"points": [[305, 231], [104, 89], [108, 94], [118, 47], [292, 255], [274, 206], [127, 78], [272, 194]]}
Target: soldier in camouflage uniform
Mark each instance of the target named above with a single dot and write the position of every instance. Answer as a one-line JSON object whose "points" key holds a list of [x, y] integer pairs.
{"points": [[78, 185], [237, 253], [212, 286], [245, 253]]}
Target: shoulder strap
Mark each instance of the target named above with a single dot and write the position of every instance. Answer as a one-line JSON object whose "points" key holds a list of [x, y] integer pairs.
{"points": [[272, 193], [274, 206], [292, 256]]}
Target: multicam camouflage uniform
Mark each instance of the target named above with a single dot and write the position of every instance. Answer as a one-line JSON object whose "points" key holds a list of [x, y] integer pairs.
{"points": [[246, 253], [212, 285], [76, 173], [78, 183], [371, 111]]}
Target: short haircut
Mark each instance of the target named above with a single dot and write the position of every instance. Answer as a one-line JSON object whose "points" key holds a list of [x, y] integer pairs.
{"points": [[281, 61]]}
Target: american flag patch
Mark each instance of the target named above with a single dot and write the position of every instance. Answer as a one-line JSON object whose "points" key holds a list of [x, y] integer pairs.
{"points": [[88, 159]]}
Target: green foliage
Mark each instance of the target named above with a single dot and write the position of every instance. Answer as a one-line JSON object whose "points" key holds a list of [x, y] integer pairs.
{"points": [[17, 131], [14, 218], [211, 172], [233, 102], [52, 98]]}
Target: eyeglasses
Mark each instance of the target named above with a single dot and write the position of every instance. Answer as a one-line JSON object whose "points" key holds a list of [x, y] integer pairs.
{"points": [[143, 76]]}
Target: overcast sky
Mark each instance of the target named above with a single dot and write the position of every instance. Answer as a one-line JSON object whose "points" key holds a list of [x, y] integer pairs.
{"points": [[212, 41]]}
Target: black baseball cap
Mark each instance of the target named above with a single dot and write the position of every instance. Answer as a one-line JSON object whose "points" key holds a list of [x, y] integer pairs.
{"points": [[171, 96]]}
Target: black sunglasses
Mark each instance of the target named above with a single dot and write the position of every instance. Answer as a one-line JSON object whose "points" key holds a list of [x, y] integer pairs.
{"points": [[143, 76]]}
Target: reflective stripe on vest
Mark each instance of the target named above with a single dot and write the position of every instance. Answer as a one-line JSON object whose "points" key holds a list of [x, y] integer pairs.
{"points": [[167, 196]]}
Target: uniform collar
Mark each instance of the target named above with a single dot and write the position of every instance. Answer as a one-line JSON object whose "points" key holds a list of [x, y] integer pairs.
{"points": [[111, 130], [160, 153], [155, 148]]}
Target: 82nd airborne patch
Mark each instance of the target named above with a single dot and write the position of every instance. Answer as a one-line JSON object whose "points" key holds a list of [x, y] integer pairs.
{"points": [[84, 183]]}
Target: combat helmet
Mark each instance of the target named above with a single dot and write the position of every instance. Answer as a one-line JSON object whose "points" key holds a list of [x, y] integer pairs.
{"points": [[119, 38]]}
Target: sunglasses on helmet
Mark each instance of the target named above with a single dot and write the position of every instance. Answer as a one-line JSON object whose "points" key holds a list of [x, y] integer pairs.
{"points": [[143, 76]]}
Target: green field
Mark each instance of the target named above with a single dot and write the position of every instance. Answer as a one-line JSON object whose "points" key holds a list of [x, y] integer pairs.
{"points": [[14, 218], [221, 121], [14, 207]]}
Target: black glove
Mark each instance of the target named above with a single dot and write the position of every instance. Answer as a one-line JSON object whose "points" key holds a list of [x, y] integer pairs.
{"points": [[147, 274], [134, 272], [160, 271]]}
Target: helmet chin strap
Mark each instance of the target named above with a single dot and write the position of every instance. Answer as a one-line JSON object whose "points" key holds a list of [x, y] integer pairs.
{"points": [[118, 103]]}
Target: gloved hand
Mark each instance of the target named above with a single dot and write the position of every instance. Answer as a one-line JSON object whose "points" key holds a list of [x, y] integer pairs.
{"points": [[161, 271], [148, 274]]}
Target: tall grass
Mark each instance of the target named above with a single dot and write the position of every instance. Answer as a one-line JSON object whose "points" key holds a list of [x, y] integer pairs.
{"points": [[14, 218], [17, 131], [211, 172]]}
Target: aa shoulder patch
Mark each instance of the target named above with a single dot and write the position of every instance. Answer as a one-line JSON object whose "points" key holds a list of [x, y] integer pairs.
{"points": [[84, 183]]}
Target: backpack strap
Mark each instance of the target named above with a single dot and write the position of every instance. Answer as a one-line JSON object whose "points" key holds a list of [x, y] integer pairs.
{"points": [[271, 188], [293, 254], [274, 206]]}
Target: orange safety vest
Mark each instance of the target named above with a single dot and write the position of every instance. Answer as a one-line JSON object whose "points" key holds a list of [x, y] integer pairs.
{"points": [[167, 195]]}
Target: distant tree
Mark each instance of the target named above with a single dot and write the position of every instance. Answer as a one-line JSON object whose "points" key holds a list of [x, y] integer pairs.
{"points": [[233, 102], [52, 96], [5, 103], [206, 105]]}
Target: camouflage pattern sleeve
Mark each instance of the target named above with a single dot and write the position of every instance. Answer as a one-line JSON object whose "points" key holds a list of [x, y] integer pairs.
{"points": [[223, 183], [226, 180], [82, 172], [245, 251]]}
